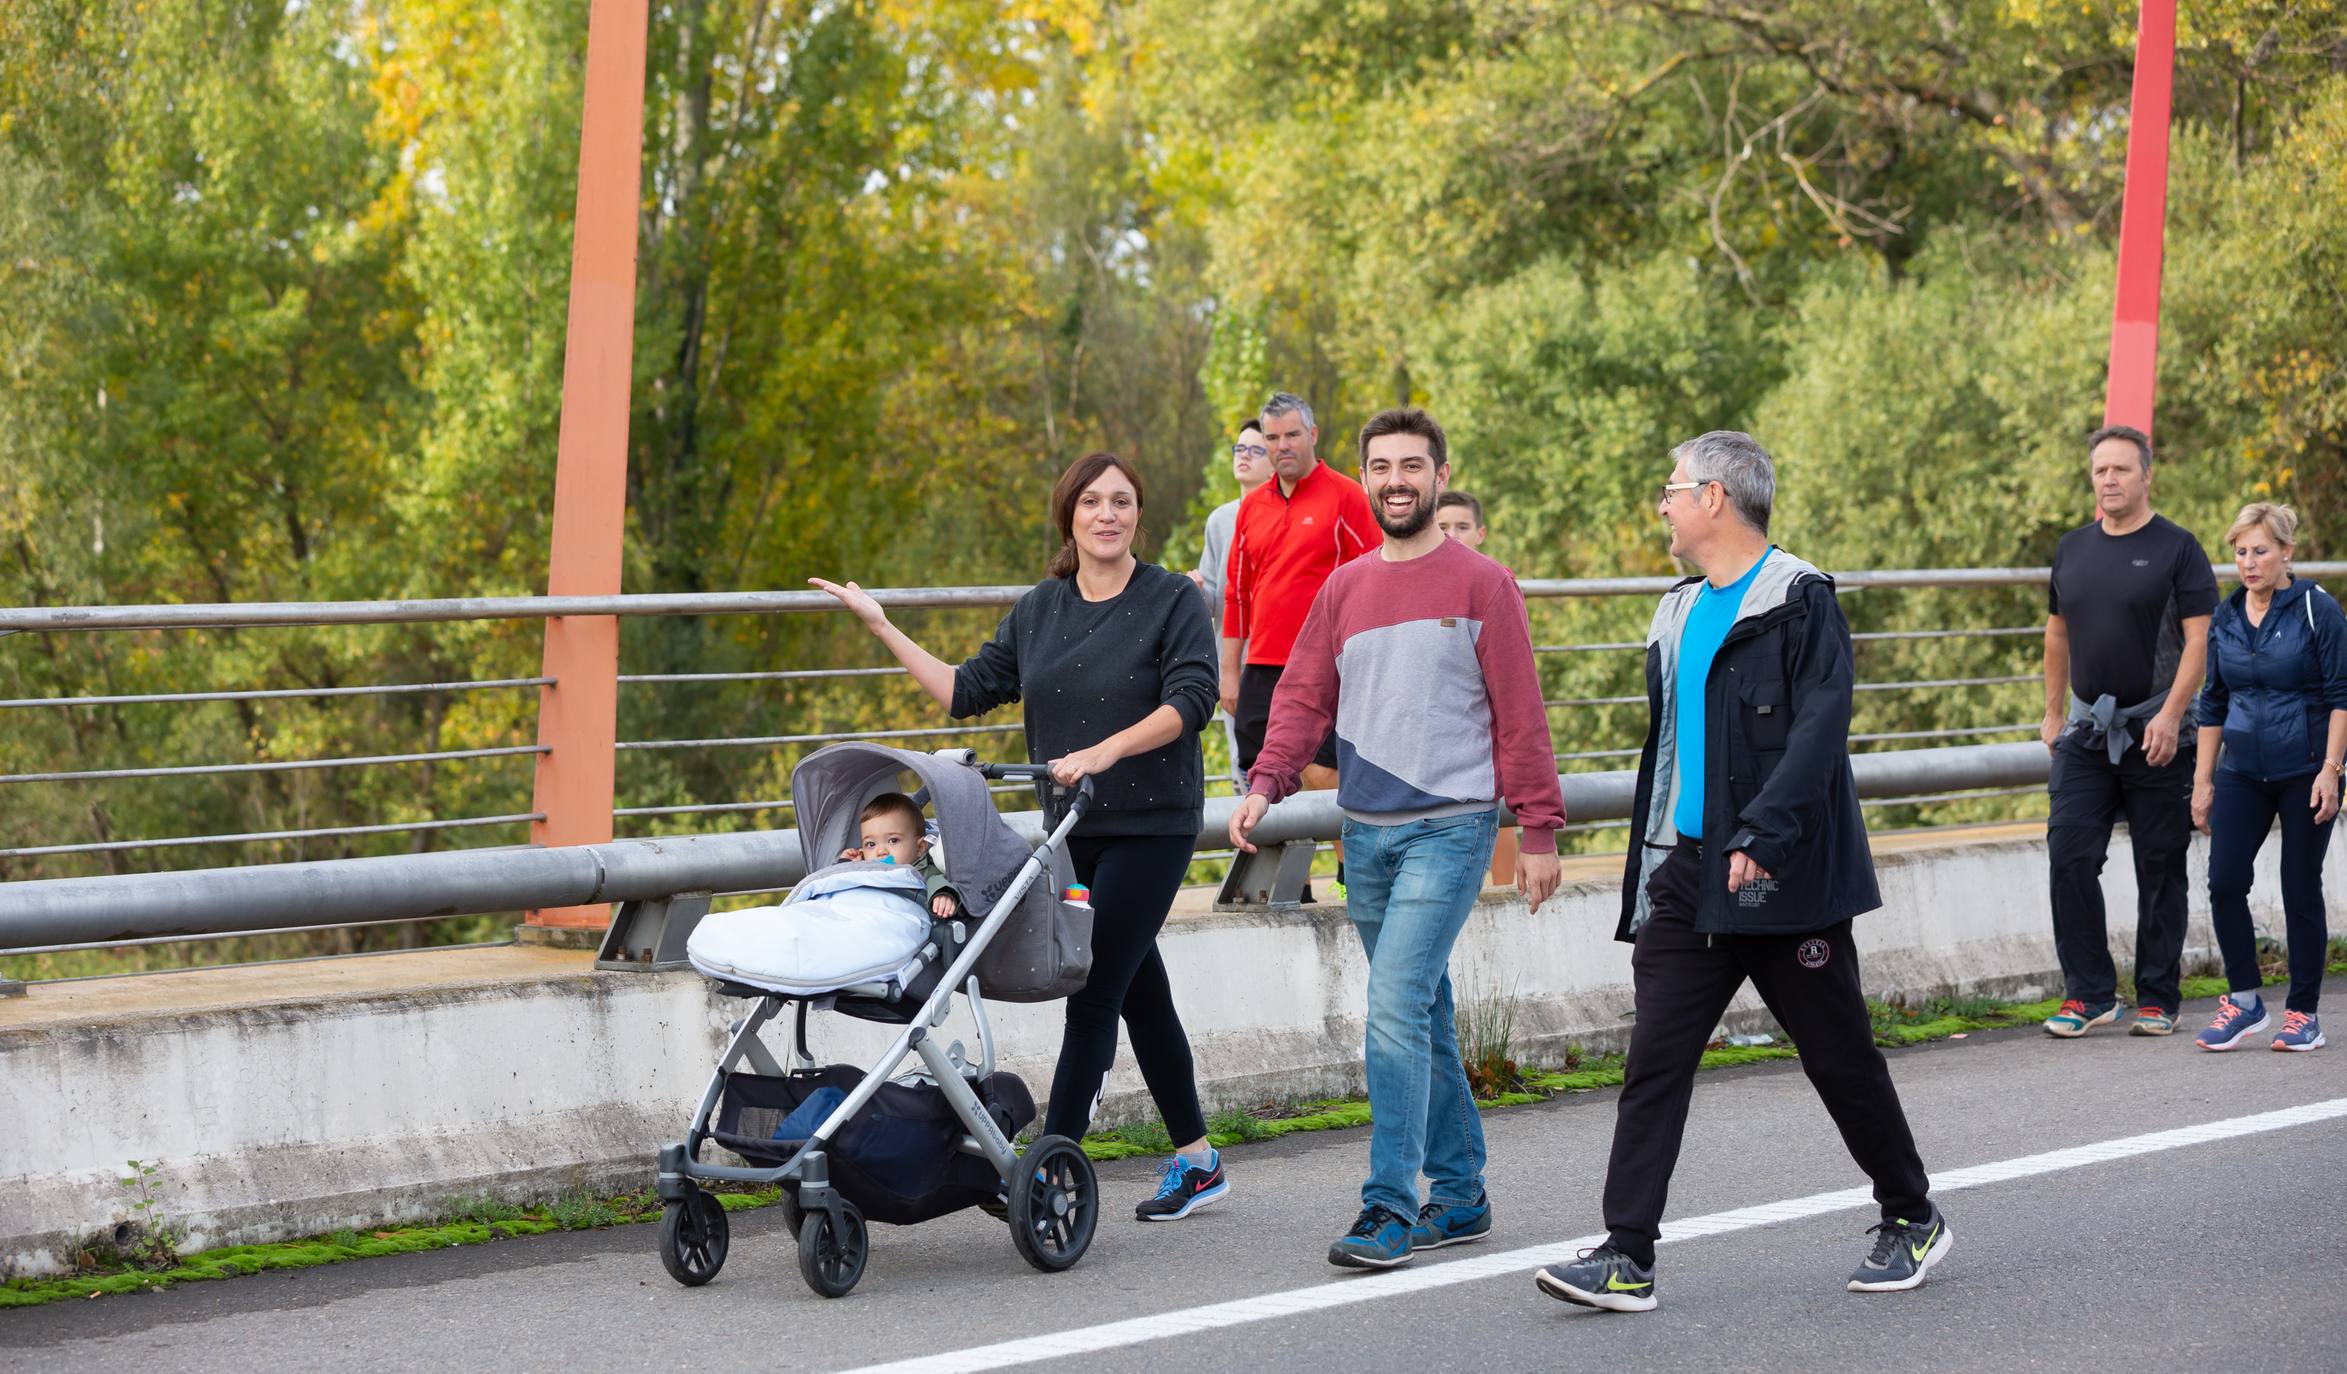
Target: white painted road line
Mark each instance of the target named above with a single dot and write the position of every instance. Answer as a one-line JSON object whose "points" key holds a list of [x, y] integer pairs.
{"points": [[1393, 1283]]}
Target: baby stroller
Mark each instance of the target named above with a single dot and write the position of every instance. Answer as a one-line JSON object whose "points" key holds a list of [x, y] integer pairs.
{"points": [[907, 1150]]}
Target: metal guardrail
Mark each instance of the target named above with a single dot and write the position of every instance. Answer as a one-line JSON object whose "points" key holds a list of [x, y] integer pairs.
{"points": [[80, 913], [182, 617]]}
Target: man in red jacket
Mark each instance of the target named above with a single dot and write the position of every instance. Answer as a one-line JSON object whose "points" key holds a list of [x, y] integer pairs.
{"points": [[1292, 532], [1420, 657]]}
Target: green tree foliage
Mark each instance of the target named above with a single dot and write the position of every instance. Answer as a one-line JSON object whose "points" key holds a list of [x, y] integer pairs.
{"points": [[283, 292]]}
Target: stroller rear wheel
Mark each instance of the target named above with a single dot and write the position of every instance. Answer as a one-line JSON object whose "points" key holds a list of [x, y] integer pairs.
{"points": [[1054, 1204], [831, 1258], [693, 1233]]}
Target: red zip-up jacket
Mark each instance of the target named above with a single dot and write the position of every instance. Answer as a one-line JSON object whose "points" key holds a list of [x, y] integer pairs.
{"points": [[1283, 549]]}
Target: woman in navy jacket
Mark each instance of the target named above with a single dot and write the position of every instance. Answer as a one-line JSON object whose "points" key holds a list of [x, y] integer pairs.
{"points": [[2275, 706]]}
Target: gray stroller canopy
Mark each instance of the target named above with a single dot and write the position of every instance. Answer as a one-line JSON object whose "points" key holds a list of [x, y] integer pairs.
{"points": [[832, 784]]}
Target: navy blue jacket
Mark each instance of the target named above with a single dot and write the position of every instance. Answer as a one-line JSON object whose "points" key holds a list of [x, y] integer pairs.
{"points": [[2273, 686]]}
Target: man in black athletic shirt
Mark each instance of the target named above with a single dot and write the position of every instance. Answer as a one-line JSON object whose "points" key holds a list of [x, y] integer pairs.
{"points": [[2126, 639]]}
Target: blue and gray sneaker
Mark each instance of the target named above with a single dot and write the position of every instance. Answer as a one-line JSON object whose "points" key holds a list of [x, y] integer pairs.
{"points": [[1451, 1223], [1603, 1277], [1183, 1188], [1904, 1251], [2300, 1032], [1380, 1239], [2234, 1023]]}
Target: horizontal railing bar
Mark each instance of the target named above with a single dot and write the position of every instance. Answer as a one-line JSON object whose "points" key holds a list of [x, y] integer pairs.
{"points": [[781, 675], [759, 741], [1962, 733], [778, 804], [1877, 636], [1640, 699], [1869, 637], [2038, 790], [274, 694], [1947, 682], [258, 614], [255, 836], [261, 614], [460, 882], [707, 809], [285, 766]]}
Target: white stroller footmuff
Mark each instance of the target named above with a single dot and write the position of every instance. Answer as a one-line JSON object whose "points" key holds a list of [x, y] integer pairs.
{"points": [[856, 924]]}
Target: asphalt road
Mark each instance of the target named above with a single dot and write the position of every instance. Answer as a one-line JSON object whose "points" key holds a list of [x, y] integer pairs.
{"points": [[2225, 1252]]}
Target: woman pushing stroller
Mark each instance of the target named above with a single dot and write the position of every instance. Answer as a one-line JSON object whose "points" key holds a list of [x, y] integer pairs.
{"points": [[1117, 665]]}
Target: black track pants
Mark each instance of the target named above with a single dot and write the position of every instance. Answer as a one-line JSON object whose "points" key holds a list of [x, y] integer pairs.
{"points": [[2090, 795], [1684, 981], [1133, 880]]}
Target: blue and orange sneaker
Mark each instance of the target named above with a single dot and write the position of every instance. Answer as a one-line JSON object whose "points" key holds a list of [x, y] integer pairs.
{"points": [[2234, 1023], [2152, 1021], [2300, 1031], [1380, 1239], [1451, 1223]]}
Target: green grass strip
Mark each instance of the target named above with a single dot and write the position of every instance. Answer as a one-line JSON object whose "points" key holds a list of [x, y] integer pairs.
{"points": [[487, 1221]]}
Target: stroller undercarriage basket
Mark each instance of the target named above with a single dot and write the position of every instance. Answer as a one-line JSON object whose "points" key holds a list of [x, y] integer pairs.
{"points": [[899, 1160]]}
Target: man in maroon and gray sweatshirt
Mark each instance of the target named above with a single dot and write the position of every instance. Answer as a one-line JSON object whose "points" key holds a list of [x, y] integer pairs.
{"points": [[1420, 655]]}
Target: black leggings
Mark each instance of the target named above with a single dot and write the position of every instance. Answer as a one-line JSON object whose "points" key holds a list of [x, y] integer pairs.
{"points": [[1133, 880]]}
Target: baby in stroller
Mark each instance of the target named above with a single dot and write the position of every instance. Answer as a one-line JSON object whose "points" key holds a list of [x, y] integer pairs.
{"points": [[890, 831]]}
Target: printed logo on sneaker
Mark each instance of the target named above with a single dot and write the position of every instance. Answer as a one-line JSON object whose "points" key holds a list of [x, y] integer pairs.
{"points": [[1814, 953]]}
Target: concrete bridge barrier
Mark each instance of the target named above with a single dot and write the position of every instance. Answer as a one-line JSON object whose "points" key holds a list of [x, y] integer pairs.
{"points": [[294, 1099]]}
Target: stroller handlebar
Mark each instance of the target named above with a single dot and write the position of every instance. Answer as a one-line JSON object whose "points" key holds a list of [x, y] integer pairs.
{"points": [[1040, 772]]}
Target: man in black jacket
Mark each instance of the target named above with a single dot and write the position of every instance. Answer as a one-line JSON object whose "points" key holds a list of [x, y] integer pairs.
{"points": [[1750, 861]]}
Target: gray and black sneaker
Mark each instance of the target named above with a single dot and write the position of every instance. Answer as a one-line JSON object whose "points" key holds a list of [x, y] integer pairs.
{"points": [[1904, 1251], [1603, 1277]]}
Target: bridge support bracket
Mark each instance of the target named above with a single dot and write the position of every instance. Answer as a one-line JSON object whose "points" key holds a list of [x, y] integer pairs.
{"points": [[9, 987], [1273, 876], [649, 936]]}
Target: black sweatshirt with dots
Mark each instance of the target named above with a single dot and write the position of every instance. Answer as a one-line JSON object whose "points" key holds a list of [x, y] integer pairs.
{"points": [[1088, 669]]}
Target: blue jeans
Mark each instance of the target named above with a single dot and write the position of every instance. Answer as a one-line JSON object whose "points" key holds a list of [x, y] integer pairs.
{"points": [[1408, 889]]}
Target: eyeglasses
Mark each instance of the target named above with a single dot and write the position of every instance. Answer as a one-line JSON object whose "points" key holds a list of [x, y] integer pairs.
{"points": [[1664, 495], [1249, 451]]}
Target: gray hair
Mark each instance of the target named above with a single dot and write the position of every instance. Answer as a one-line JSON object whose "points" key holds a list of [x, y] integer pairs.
{"points": [[1740, 465], [1289, 403]]}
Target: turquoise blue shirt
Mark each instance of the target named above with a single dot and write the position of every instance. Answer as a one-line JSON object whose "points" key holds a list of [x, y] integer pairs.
{"points": [[1699, 642]]}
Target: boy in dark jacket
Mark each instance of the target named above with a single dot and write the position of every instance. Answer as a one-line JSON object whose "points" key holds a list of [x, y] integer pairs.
{"points": [[1748, 862]]}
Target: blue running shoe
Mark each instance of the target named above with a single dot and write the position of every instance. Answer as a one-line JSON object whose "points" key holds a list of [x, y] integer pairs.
{"points": [[2300, 1031], [1183, 1188], [1380, 1239], [2234, 1024], [1451, 1223]]}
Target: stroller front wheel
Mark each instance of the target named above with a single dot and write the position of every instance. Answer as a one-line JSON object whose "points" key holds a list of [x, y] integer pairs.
{"points": [[693, 1235], [831, 1258], [1054, 1204]]}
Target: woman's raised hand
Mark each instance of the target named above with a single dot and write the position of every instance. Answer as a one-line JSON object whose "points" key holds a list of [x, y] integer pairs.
{"points": [[858, 601]]}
